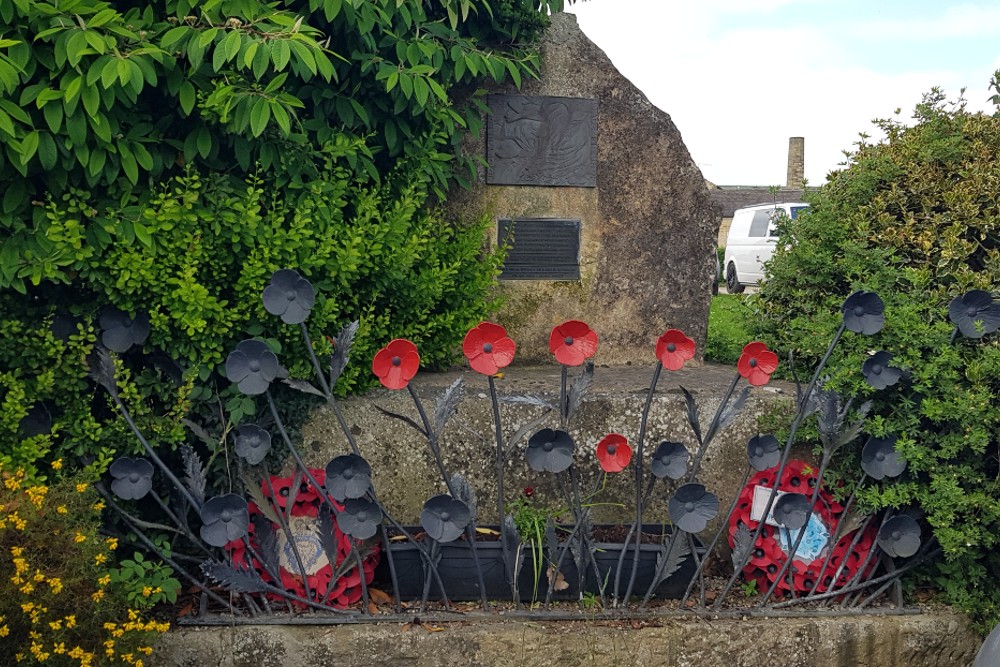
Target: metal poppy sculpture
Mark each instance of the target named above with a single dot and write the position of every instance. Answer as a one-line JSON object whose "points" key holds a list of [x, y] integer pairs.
{"points": [[975, 313], [444, 518], [879, 458], [692, 507], [573, 342], [488, 348], [550, 450], [757, 363], [899, 537], [120, 331], [792, 511], [763, 452], [864, 313], [252, 443], [360, 518], [253, 367], [670, 460], [132, 477], [289, 296], [614, 453], [224, 519], [348, 477], [673, 349], [396, 364], [879, 372], [38, 421]]}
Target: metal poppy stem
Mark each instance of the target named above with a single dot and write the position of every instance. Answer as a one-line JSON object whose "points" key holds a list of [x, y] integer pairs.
{"points": [[628, 537], [563, 398], [558, 566], [829, 553], [638, 477], [184, 529], [723, 527], [501, 511], [772, 497], [436, 450], [712, 428], [315, 361], [585, 538], [286, 529], [659, 569], [361, 577], [875, 548], [850, 549], [824, 462]]}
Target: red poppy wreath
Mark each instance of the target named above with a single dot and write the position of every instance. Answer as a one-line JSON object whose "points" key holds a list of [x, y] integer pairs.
{"points": [[819, 563], [306, 524]]}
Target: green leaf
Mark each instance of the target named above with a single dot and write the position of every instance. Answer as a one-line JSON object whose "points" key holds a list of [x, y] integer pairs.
{"points": [[6, 125], [232, 44], [47, 153], [129, 165], [331, 8], [96, 41], [91, 99], [249, 54], [420, 90], [406, 84], [142, 156], [29, 145], [280, 53], [186, 97], [304, 55], [204, 141], [13, 196], [281, 117], [514, 73], [76, 48], [173, 36], [438, 90], [97, 160], [142, 233], [261, 60], [102, 128], [76, 127], [260, 115]]}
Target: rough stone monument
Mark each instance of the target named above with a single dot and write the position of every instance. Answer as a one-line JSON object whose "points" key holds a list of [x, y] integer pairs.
{"points": [[607, 215]]}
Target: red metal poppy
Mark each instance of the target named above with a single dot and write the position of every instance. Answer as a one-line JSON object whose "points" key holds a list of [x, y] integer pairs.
{"points": [[396, 363], [757, 363], [488, 348], [673, 348], [573, 342], [614, 453]]}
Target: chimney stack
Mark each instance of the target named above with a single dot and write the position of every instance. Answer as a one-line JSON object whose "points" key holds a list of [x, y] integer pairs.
{"points": [[796, 162]]}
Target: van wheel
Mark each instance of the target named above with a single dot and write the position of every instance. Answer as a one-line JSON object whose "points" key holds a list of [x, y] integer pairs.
{"points": [[733, 285]]}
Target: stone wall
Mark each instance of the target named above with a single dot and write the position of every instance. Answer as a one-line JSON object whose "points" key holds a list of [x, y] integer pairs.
{"points": [[648, 229]]}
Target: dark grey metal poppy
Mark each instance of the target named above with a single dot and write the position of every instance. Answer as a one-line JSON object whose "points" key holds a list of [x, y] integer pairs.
{"points": [[120, 331], [899, 537], [224, 519], [975, 314], [880, 460], [133, 477], [864, 313], [550, 451], [252, 443], [670, 460], [792, 511], [877, 371], [252, 366], [64, 326], [289, 296], [989, 652], [360, 518], [38, 421], [444, 518], [348, 476], [692, 507], [763, 451]]}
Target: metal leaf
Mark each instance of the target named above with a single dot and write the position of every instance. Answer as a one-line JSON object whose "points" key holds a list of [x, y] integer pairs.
{"points": [[525, 429], [579, 389], [102, 370], [447, 404], [581, 555], [514, 554], [402, 418], [524, 399], [257, 496], [692, 414], [742, 544], [848, 523], [304, 387], [551, 543], [194, 473], [266, 536], [668, 563], [465, 493], [239, 581], [342, 352], [325, 532], [732, 410], [200, 432], [852, 430]]}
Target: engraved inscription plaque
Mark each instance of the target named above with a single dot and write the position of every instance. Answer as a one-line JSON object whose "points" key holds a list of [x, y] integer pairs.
{"points": [[541, 249], [533, 140]]}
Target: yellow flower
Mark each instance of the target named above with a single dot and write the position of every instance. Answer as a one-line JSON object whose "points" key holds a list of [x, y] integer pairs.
{"points": [[80, 537], [59, 648], [100, 558], [81, 487], [146, 592], [57, 464], [19, 657], [105, 580], [97, 596], [112, 543], [62, 509], [98, 506], [55, 625], [27, 589], [17, 552], [4, 630], [71, 621]]}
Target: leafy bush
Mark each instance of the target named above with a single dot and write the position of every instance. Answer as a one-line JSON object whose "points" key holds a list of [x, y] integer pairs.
{"points": [[914, 218], [58, 602], [727, 328]]}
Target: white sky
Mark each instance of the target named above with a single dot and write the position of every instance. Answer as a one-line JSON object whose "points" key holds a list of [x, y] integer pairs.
{"points": [[738, 77]]}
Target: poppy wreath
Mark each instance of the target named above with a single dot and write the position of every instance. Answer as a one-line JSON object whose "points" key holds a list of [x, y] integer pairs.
{"points": [[769, 553], [303, 520]]}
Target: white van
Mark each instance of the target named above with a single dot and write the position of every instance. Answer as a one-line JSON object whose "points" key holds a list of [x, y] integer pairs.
{"points": [[751, 240]]}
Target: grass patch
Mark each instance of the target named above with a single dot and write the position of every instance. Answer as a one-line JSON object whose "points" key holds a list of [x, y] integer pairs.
{"points": [[727, 329]]}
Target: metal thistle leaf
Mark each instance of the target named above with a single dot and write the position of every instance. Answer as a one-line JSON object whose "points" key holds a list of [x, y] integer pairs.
{"points": [[199, 432], [447, 404], [848, 523], [551, 542], [257, 496], [692, 414], [231, 579], [304, 387], [732, 410], [579, 389], [325, 533], [853, 430], [742, 544], [102, 370], [266, 535], [668, 563], [342, 351], [514, 555], [465, 493], [402, 418], [524, 399], [194, 473]]}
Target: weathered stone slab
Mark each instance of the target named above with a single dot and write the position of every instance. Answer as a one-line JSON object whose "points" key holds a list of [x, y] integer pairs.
{"points": [[925, 640]]}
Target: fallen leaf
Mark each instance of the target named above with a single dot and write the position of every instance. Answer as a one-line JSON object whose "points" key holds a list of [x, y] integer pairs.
{"points": [[432, 628], [486, 531], [372, 608], [381, 597], [185, 610], [560, 581], [407, 627]]}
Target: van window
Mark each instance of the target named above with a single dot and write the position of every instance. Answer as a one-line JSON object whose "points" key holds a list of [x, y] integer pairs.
{"points": [[761, 219], [796, 209]]}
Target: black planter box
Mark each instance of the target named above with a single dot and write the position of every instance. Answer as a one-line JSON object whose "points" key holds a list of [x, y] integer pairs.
{"points": [[458, 572]]}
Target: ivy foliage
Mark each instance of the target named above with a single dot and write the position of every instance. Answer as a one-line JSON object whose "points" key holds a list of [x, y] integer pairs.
{"points": [[915, 218], [167, 156]]}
